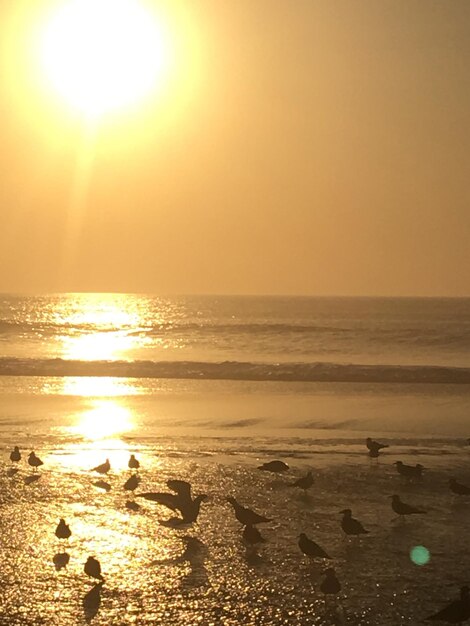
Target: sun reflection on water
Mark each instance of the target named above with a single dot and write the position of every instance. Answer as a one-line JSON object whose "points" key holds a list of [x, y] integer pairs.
{"points": [[106, 419], [98, 386], [101, 326]]}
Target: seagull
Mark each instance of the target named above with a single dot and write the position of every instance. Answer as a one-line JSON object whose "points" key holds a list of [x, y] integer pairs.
{"points": [[409, 471], [331, 584], [103, 468], [456, 612], [402, 509], [374, 454], [305, 482], [274, 466], [458, 488], [60, 560], [132, 483], [350, 525], [245, 516], [15, 455], [374, 446], [181, 501], [34, 461], [133, 463], [311, 549], [63, 530], [190, 511], [93, 568], [252, 536]]}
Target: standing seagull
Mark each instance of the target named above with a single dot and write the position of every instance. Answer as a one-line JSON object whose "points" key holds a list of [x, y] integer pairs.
{"points": [[402, 509], [311, 549], [103, 468], [456, 612], [34, 461], [93, 568], [409, 471], [245, 516], [350, 525], [132, 483], [375, 446], [63, 530], [133, 463], [15, 455]]}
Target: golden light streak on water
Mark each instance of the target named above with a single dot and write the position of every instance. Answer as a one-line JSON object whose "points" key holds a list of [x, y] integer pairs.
{"points": [[98, 346], [97, 386]]}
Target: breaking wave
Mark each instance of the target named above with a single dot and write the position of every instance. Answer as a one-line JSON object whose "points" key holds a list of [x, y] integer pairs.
{"points": [[238, 370]]}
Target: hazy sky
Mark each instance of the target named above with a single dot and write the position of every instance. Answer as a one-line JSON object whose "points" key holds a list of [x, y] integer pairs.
{"points": [[303, 147]]}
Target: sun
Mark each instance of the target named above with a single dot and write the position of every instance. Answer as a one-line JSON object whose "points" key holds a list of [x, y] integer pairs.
{"points": [[103, 55]]}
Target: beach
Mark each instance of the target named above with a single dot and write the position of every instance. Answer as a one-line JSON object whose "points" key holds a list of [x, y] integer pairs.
{"points": [[215, 433], [147, 578]]}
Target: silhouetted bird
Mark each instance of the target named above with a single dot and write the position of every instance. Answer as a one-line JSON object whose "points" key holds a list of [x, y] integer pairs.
{"points": [[133, 463], [305, 482], [34, 461], [458, 488], [274, 466], [15, 455], [61, 560], [63, 530], [456, 612], [375, 446], [93, 568], [409, 471], [181, 501], [252, 536], [245, 516], [350, 525], [190, 511], [331, 584], [103, 468], [132, 483], [401, 508], [311, 549]]}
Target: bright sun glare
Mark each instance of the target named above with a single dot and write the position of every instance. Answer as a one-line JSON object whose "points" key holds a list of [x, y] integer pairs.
{"points": [[103, 55]]}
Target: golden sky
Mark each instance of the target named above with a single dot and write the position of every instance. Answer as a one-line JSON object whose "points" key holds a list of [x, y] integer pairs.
{"points": [[293, 147]]}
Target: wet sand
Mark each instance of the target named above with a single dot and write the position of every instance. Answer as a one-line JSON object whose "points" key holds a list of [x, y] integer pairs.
{"points": [[149, 579]]}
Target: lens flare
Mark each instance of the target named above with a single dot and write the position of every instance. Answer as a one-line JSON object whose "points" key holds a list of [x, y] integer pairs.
{"points": [[420, 555]]}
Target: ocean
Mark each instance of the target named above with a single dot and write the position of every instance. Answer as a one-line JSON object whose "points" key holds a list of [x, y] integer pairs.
{"points": [[398, 365], [205, 389]]}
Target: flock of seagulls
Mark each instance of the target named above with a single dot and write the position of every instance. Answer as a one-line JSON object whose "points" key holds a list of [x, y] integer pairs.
{"points": [[181, 501]]}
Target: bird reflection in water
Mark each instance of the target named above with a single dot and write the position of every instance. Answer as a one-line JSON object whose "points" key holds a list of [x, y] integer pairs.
{"points": [[195, 554], [92, 601]]}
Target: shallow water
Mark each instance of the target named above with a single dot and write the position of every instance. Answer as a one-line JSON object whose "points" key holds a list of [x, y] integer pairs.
{"points": [[148, 582], [215, 434]]}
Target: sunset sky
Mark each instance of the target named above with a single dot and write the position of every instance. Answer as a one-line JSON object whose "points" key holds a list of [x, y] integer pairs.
{"points": [[289, 147]]}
